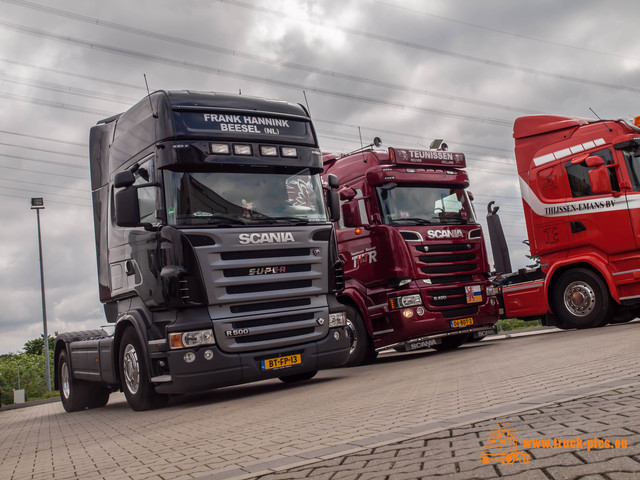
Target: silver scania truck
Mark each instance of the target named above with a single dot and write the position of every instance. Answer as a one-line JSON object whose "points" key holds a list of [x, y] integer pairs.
{"points": [[217, 259]]}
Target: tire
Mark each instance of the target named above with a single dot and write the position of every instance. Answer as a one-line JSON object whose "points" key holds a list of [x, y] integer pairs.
{"points": [[361, 350], [300, 377], [450, 343], [74, 394], [134, 374], [581, 300]]}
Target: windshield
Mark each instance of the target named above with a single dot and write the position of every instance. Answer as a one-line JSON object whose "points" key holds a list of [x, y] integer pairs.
{"points": [[420, 205], [243, 198]]}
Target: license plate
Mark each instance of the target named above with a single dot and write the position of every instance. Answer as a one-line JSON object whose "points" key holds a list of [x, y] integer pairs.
{"points": [[461, 322], [281, 362]]}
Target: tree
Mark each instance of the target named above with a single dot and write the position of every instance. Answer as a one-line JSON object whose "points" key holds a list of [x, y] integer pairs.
{"points": [[36, 346], [535, 259]]}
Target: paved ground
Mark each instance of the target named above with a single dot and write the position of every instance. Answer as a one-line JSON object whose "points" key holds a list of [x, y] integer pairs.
{"points": [[454, 452], [408, 416]]}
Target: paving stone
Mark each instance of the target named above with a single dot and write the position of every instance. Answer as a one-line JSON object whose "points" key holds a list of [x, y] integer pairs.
{"points": [[421, 398]]}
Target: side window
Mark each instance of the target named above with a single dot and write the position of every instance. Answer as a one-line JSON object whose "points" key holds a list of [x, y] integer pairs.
{"points": [[633, 166], [146, 196], [364, 220], [578, 175]]}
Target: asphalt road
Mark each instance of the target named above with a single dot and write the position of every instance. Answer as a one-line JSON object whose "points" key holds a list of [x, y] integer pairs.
{"points": [[426, 406]]}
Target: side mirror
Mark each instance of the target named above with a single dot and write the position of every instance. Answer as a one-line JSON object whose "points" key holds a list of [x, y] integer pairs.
{"points": [[347, 194], [127, 207], [599, 180], [594, 161], [123, 179], [332, 180], [351, 214], [333, 203]]}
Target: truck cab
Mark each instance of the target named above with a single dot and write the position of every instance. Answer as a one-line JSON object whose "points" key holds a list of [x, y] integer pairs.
{"points": [[414, 258], [580, 186], [217, 259]]}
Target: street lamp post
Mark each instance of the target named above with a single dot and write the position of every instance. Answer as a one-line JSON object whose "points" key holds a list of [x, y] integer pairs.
{"points": [[37, 204]]}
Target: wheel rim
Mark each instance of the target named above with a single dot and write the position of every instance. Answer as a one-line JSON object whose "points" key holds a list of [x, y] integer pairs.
{"points": [[353, 336], [131, 369], [64, 380], [579, 299]]}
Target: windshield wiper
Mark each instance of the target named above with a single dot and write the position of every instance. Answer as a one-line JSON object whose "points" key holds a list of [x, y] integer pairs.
{"points": [[205, 218], [453, 218], [415, 220], [294, 220]]}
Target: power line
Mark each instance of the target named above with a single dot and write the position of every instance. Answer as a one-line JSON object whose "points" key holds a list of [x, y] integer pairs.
{"points": [[49, 139], [26, 147], [218, 71], [67, 89], [77, 75], [46, 162], [45, 193], [48, 201], [504, 32], [258, 58], [50, 103], [43, 185], [44, 173], [426, 48]]}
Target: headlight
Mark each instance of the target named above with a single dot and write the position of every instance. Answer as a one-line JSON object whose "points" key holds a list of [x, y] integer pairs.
{"points": [[405, 301], [192, 339], [337, 319]]}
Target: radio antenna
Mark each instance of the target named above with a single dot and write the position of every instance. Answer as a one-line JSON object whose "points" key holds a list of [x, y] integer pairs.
{"points": [[594, 112], [149, 95], [306, 101], [364, 159]]}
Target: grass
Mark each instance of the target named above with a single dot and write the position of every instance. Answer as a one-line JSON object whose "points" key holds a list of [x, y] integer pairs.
{"points": [[509, 324]]}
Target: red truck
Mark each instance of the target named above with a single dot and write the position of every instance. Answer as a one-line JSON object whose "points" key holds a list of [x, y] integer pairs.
{"points": [[415, 263], [580, 186]]}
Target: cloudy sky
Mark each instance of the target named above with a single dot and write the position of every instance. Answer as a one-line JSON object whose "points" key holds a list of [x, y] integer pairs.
{"points": [[407, 71]]}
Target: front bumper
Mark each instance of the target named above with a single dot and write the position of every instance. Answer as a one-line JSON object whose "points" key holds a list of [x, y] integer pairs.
{"points": [[224, 369]]}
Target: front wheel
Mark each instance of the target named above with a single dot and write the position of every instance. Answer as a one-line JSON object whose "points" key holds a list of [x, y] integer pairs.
{"points": [[134, 374], [581, 299], [361, 350]]}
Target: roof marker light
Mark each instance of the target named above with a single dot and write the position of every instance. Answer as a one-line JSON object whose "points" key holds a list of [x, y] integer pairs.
{"points": [[242, 149], [289, 151], [267, 151], [220, 149]]}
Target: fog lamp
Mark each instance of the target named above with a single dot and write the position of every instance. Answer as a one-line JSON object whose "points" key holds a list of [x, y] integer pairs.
{"points": [[407, 313], [337, 319]]}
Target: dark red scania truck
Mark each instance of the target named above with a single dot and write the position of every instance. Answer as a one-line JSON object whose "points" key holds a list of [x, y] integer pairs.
{"points": [[217, 260], [415, 263]]}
